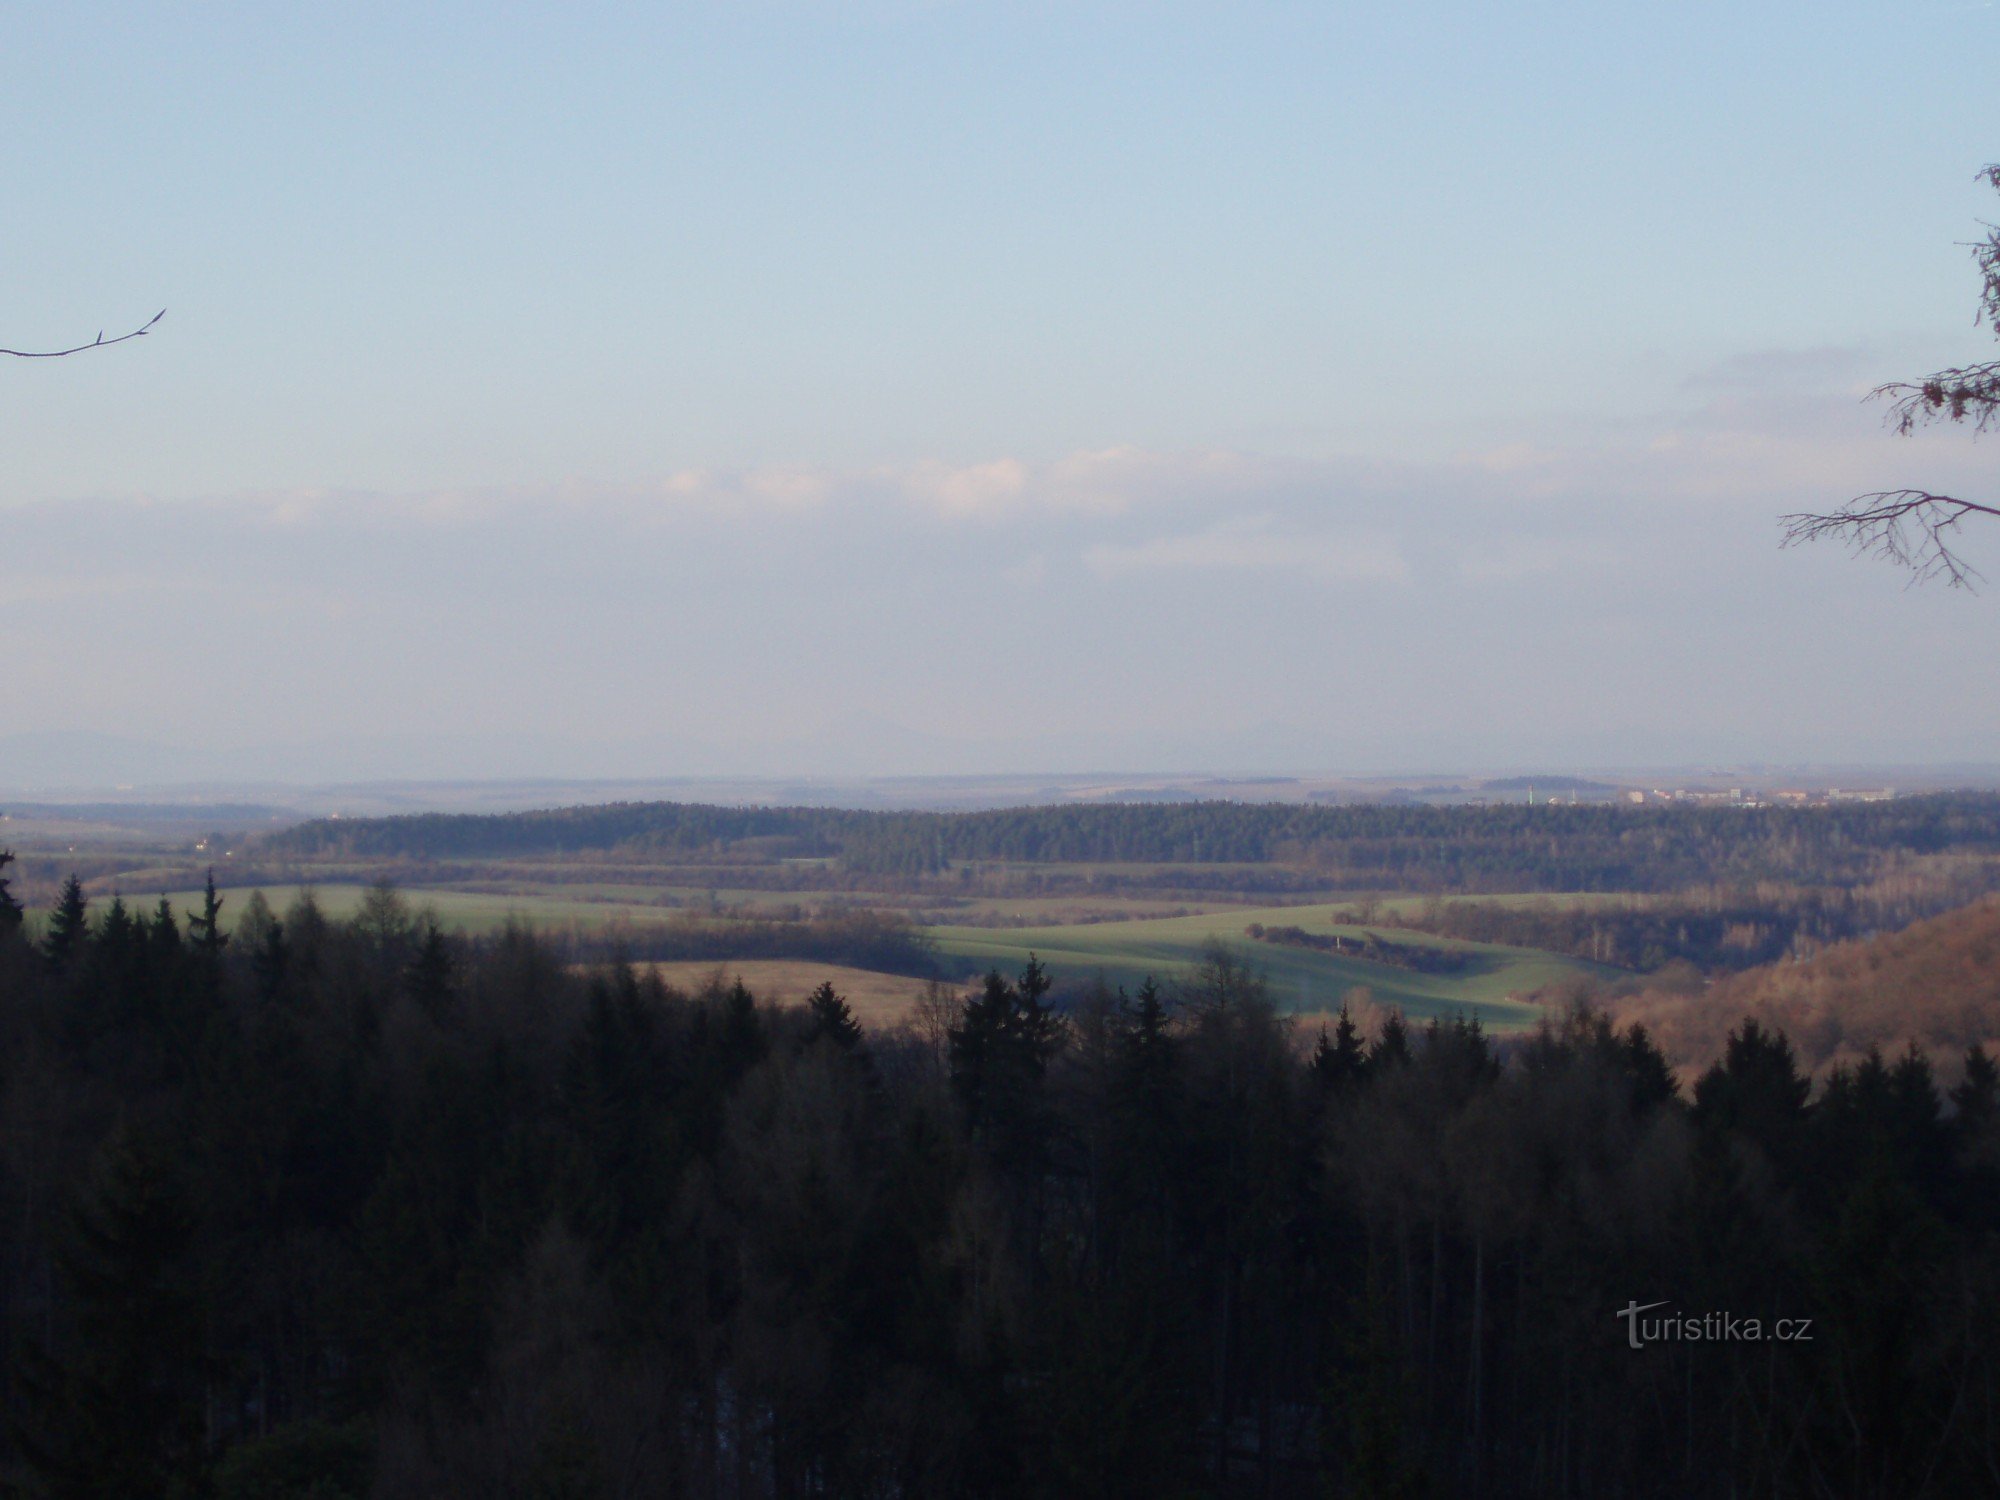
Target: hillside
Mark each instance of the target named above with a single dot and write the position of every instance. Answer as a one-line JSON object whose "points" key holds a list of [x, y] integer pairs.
{"points": [[1935, 983]]}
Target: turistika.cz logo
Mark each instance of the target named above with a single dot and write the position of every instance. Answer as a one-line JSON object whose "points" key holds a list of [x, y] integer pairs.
{"points": [[1708, 1328]]}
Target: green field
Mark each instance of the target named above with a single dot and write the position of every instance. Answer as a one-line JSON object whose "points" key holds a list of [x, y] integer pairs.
{"points": [[466, 911], [1301, 979]]}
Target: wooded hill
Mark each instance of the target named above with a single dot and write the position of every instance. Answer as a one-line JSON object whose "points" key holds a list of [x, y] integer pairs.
{"points": [[1514, 848], [1935, 985]]}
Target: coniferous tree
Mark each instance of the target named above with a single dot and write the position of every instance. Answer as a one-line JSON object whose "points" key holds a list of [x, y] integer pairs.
{"points": [[1391, 1047], [1756, 1090], [1000, 1052], [1648, 1074], [118, 1412], [1340, 1065], [206, 940], [270, 961], [69, 926], [1976, 1096], [431, 971], [205, 930], [165, 940], [743, 1041], [831, 1018], [11, 914]]}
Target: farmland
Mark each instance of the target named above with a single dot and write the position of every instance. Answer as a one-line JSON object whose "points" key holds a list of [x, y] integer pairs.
{"points": [[1436, 912], [1490, 983]]}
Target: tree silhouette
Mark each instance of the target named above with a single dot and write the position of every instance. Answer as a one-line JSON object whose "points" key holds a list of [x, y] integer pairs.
{"points": [[1915, 528], [100, 342], [10, 909], [68, 926]]}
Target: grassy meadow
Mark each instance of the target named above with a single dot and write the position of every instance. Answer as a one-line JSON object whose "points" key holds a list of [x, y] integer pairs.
{"points": [[1302, 979], [1121, 941]]}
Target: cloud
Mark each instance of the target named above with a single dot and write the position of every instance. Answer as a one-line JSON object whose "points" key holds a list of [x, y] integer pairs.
{"points": [[1790, 370], [1251, 545], [1515, 559], [1118, 590]]}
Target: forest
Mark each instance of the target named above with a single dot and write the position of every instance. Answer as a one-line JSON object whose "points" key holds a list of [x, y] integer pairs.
{"points": [[1441, 849], [1717, 929], [364, 1208]]}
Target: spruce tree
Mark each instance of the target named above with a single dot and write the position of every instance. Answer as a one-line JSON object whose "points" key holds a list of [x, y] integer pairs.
{"points": [[1648, 1074], [270, 963], [10, 910], [1976, 1096], [1339, 1065], [163, 952], [832, 1018], [119, 1410], [205, 931], [742, 1038], [69, 926], [430, 972], [1756, 1090], [1391, 1047]]}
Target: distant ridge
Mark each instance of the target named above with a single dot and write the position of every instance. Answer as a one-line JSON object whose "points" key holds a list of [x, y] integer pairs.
{"points": [[1511, 847]]}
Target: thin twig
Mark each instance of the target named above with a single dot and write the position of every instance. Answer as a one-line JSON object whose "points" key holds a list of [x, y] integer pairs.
{"points": [[1907, 527], [100, 342]]}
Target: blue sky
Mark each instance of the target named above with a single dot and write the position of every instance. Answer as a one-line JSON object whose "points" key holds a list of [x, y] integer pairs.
{"points": [[963, 387]]}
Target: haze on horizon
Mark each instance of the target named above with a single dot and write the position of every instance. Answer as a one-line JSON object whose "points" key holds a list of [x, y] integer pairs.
{"points": [[791, 388]]}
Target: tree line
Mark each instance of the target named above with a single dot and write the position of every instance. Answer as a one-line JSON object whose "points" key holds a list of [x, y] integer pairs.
{"points": [[1717, 929], [364, 1208], [1508, 848]]}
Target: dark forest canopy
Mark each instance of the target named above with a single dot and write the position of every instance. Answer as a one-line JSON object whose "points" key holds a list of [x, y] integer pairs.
{"points": [[341, 1209], [1412, 848]]}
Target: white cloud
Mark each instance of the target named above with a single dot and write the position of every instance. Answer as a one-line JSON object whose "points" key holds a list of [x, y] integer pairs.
{"points": [[1250, 545]]}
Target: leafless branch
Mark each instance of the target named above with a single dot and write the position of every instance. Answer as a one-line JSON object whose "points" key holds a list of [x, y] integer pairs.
{"points": [[1916, 529], [1911, 528], [100, 342], [1970, 394]]}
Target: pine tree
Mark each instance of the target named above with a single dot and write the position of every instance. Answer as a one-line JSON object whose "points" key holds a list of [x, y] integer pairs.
{"points": [[1756, 1090], [166, 933], [69, 926], [1148, 1042], [205, 931], [832, 1018], [1340, 1065], [743, 1041], [270, 961], [118, 934], [1391, 1047], [1000, 1053], [1647, 1072], [119, 1412], [11, 914], [430, 973], [1976, 1097]]}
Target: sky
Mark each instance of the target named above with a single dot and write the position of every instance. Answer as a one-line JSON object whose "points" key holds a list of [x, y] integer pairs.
{"points": [[789, 388]]}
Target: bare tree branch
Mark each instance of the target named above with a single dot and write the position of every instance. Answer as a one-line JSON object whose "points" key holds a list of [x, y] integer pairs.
{"points": [[1910, 528], [1916, 529], [1970, 394], [100, 342]]}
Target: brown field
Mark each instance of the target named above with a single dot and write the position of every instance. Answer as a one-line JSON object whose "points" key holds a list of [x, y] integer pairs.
{"points": [[877, 999]]}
